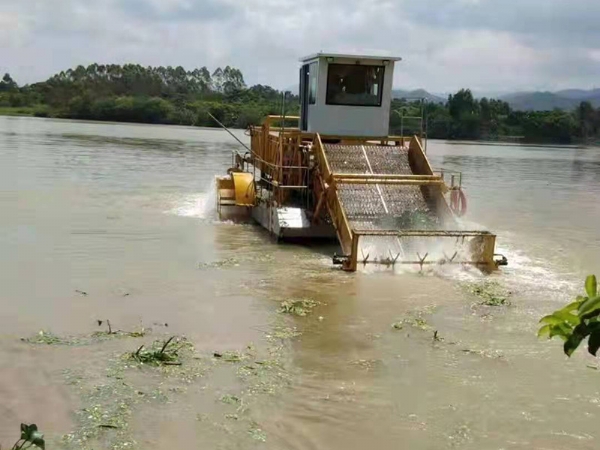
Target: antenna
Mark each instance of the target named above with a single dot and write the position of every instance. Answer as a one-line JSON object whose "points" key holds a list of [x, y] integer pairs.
{"points": [[227, 129]]}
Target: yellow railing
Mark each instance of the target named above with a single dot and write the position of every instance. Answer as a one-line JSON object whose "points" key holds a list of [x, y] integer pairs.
{"points": [[277, 153]]}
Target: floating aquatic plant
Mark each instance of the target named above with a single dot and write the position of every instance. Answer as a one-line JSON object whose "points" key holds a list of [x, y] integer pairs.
{"points": [[301, 307], [491, 293], [158, 354]]}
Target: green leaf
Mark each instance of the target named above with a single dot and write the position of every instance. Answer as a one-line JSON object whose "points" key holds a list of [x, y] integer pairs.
{"points": [[567, 317], [589, 306], [594, 343], [572, 307], [30, 433], [580, 332], [27, 430], [572, 343], [562, 330], [591, 287], [551, 320], [545, 331]]}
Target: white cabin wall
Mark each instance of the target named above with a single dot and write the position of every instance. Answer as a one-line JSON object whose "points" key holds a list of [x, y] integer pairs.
{"points": [[351, 120]]}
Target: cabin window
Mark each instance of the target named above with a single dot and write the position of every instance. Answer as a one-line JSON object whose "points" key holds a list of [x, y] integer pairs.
{"points": [[354, 85], [312, 83]]}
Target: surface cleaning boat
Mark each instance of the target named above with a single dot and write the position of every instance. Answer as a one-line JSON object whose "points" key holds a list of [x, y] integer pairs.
{"points": [[337, 173]]}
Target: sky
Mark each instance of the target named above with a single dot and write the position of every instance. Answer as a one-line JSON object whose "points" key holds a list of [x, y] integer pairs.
{"points": [[490, 46]]}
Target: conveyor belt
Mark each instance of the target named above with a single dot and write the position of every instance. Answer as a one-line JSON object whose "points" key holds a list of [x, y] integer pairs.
{"points": [[387, 206], [378, 206]]}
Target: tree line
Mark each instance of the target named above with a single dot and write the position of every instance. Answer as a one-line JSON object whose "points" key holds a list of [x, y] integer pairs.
{"points": [[133, 93], [465, 117], [174, 95]]}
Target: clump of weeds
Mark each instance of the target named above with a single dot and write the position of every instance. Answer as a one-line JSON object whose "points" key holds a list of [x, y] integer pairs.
{"points": [[160, 353], [44, 337], [230, 356], [416, 322], [141, 332], [230, 399], [257, 433], [491, 293], [283, 333], [300, 307], [48, 338], [228, 262]]}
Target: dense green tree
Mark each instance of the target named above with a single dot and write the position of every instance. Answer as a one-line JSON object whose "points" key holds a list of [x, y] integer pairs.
{"points": [[7, 83], [586, 117], [465, 113]]}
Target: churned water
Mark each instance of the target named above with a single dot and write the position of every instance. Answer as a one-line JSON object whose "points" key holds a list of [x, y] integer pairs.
{"points": [[113, 221]]}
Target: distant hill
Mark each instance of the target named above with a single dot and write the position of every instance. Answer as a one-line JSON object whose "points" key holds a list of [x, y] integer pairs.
{"points": [[579, 94], [546, 101], [417, 94], [567, 99]]}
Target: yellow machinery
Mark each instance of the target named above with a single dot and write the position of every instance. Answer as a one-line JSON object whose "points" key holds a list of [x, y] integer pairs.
{"points": [[334, 174], [378, 196]]}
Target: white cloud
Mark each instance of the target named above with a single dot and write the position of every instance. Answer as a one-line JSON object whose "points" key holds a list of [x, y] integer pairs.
{"points": [[445, 44]]}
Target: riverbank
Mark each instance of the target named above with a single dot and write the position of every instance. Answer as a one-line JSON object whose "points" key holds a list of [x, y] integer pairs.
{"points": [[20, 111], [43, 111]]}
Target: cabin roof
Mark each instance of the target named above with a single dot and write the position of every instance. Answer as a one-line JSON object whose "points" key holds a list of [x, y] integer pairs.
{"points": [[339, 55]]}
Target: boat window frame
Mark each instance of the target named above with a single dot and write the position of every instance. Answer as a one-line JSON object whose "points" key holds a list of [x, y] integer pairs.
{"points": [[313, 75], [380, 96]]}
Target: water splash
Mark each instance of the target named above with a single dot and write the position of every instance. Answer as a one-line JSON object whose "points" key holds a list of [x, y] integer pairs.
{"points": [[200, 205], [525, 273]]}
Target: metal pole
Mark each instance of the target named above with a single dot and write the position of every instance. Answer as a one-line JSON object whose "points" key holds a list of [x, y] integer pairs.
{"points": [[423, 126], [402, 124], [227, 129]]}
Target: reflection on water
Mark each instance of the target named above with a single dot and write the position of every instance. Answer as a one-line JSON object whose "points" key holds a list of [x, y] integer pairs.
{"points": [[126, 214]]}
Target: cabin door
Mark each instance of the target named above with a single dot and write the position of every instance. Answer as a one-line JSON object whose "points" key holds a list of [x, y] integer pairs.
{"points": [[304, 97]]}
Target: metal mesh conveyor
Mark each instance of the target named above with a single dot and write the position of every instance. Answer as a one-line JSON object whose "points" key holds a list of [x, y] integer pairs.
{"points": [[386, 204], [385, 207], [379, 205], [365, 159]]}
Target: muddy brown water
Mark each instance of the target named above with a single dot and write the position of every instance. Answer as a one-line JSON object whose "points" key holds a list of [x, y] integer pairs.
{"points": [[125, 214]]}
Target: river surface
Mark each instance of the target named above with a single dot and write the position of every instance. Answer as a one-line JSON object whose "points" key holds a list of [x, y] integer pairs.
{"points": [[113, 221]]}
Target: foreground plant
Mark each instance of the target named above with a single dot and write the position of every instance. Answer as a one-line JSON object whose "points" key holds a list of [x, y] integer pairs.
{"points": [[30, 437], [160, 354], [576, 321]]}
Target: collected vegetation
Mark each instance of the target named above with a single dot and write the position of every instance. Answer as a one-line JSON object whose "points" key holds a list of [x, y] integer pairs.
{"points": [[577, 321], [416, 220]]}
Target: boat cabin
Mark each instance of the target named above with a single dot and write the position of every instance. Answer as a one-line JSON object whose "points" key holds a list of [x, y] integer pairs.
{"points": [[346, 95]]}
